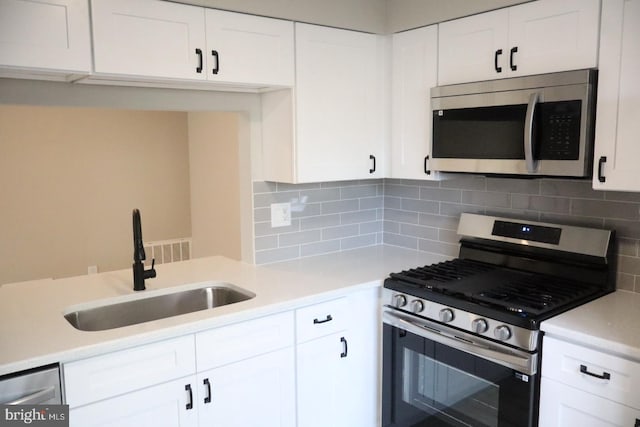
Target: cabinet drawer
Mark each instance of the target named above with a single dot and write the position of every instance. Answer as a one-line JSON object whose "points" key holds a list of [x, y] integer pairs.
{"points": [[124, 371], [321, 319], [563, 362], [233, 343]]}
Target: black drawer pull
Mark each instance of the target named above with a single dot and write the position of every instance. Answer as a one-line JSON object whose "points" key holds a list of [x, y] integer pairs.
{"points": [[190, 402], [199, 67], [329, 318], [426, 169], [216, 56], [495, 61], [373, 169], [513, 66], [206, 382], [343, 340], [604, 376], [637, 424], [601, 162]]}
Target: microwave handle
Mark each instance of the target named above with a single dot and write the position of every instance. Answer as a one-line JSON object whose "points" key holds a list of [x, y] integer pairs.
{"points": [[532, 164]]}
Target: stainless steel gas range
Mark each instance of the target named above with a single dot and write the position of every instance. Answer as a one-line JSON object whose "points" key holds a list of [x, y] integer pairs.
{"points": [[462, 340]]}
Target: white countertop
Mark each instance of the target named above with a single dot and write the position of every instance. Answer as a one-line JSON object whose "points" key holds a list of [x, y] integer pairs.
{"points": [[34, 332], [610, 324]]}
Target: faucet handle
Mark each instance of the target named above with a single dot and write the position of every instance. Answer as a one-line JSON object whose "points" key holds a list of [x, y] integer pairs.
{"points": [[150, 273]]}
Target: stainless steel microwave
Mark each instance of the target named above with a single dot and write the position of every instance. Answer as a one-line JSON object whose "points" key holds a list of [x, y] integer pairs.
{"points": [[536, 125]]}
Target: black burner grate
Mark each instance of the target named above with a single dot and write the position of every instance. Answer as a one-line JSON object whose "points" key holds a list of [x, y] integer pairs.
{"points": [[431, 276], [535, 294]]}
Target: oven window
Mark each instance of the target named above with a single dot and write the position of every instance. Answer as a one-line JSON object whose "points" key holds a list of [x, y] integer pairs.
{"points": [[452, 396]]}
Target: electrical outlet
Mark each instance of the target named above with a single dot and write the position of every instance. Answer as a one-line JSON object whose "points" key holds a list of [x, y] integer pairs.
{"points": [[92, 269], [280, 214]]}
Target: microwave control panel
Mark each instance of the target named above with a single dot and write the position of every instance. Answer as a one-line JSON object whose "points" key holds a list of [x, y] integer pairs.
{"points": [[559, 130]]}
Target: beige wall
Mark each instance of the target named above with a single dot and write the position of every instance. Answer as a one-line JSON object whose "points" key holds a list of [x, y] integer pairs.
{"points": [[70, 177], [406, 14], [363, 15], [375, 16], [215, 179]]}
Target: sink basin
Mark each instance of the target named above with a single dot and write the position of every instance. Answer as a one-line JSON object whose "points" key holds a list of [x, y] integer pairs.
{"points": [[116, 315]]}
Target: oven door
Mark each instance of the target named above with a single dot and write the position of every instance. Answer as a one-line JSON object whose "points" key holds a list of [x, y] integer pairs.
{"points": [[437, 376]]}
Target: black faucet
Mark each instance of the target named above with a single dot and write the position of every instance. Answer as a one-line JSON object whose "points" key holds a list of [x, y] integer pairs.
{"points": [[139, 273]]}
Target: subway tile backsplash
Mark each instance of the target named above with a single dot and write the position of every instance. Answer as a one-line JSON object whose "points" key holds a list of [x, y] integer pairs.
{"points": [[423, 215], [325, 217]]}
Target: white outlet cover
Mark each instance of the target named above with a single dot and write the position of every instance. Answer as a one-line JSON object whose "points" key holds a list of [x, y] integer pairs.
{"points": [[280, 214]]}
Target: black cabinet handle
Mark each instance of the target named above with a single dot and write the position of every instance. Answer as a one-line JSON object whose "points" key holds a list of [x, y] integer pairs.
{"points": [[637, 424], [604, 376], [372, 157], [495, 61], [216, 56], [190, 402], [206, 382], [343, 340], [426, 170], [601, 162], [511, 64], [199, 67], [329, 318]]}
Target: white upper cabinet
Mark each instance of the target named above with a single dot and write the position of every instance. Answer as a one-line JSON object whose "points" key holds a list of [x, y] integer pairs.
{"points": [[473, 48], [333, 126], [148, 38], [553, 35], [48, 37], [414, 60], [157, 40], [247, 48], [533, 38], [616, 141]]}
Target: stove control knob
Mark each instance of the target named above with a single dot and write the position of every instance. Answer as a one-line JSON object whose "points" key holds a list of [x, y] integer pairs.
{"points": [[446, 315], [400, 300], [417, 306], [502, 332], [479, 326]]}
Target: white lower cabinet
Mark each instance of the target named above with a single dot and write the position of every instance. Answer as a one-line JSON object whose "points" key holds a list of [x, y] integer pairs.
{"points": [[255, 392], [586, 387], [138, 386], [337, 363], [565, 406]]}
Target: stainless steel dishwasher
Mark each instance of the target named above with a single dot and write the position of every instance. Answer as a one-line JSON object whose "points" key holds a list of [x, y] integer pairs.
{"points": [[38, 386]]}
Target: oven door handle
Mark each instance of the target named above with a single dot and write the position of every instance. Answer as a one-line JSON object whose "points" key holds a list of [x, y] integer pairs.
{"points": [[511, 358], [529, 149]]}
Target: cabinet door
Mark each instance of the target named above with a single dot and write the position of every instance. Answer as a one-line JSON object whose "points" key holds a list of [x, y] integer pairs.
{"points": [[164, 405], [255, 392], [46, 35], [563, 406], [616, 142], [339, 105], [473, 48], [148, 38], [249, 49], [553, 35], [414, 73], [323, 373]]}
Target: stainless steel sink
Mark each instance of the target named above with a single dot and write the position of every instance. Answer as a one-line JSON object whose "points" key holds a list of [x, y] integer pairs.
{"points": [[116, 315]]}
